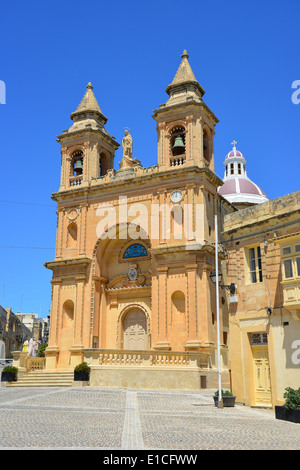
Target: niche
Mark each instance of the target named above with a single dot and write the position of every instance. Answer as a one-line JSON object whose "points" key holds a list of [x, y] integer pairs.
{"points": [[72, 235], [68, 314]]}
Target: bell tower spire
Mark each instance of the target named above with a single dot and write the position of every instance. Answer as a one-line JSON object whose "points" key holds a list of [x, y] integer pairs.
{"points": [[88, 150], [185, 124]]}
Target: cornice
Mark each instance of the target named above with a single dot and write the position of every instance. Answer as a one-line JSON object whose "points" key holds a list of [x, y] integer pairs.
{"points": [[69, 135], [164, 108], [67, 262], [117, 185]]}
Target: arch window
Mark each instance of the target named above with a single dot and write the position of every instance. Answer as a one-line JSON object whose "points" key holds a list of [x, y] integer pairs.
{"points": [[103, 164], [177, 146], [206, 145], [135, 251], [76, 168]]}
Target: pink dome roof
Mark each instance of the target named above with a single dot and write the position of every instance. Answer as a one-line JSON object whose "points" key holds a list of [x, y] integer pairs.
{"points": [[240, 186], [234, 153], [237, 187]]}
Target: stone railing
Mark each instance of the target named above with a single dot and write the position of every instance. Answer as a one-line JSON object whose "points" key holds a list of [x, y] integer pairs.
{"points": [[28, 364], [75, 180], [177, 160], [153, 359], [35, 363]]}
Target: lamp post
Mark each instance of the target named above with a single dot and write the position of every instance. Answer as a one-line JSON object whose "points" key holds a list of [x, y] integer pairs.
{"points": [[220, 400], [216, 278]]}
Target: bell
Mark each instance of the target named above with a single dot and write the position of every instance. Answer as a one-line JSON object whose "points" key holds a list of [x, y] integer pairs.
{"points": [[78, 167], [178, 146]]}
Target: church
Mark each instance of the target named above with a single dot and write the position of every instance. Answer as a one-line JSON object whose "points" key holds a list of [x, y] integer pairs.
{"points": [[132, 287], [135, 246]]}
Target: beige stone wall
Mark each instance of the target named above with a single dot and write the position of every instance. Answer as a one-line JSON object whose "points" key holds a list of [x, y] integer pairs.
{"points": [[264, 225]]}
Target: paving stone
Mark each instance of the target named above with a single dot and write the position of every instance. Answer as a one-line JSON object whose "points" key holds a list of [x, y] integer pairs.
{"points": [[120, 419]]}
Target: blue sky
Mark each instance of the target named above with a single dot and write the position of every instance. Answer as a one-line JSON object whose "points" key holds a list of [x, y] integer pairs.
{"points": [[244, 54]]}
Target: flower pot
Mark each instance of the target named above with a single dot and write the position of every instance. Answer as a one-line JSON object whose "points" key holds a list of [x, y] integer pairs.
{"points": [[228, 401], [287, 415], [81, 375], [8, 377]]}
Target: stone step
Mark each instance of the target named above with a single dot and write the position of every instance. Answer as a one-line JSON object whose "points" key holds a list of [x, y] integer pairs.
{"points": [[43, 379]]}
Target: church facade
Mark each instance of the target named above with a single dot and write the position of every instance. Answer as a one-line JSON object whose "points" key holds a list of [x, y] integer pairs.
{"points": [[135, 246], [132, 290]]}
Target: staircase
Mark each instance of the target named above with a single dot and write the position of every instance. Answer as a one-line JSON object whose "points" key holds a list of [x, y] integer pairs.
{"points": [[42, 378]]}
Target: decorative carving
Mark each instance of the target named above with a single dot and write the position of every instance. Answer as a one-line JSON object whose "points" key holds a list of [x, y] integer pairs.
{"points": [[72, 214], [133, 279]]}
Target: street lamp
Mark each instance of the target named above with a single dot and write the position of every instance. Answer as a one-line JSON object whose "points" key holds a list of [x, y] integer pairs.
{"points": [[231, 287]]}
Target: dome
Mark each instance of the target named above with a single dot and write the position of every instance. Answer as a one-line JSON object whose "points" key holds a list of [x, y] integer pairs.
{"points": [[234, 153], [242, 191], [238, 189]]}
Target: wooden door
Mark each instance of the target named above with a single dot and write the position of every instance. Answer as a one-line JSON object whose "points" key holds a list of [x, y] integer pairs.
{"points": [[261, 369], [135, 330]]}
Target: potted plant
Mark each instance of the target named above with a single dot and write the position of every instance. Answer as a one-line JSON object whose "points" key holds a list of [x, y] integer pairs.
{"points": [[41, 351], [227, 396], [82, 372], [290, 411], [9, 374]]}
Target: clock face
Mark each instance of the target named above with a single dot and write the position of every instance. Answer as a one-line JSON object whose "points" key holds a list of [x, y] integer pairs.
{"points": [[176, 196]]}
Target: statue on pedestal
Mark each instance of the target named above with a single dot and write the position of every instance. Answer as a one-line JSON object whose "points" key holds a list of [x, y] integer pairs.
{"points": [[127, 160]]}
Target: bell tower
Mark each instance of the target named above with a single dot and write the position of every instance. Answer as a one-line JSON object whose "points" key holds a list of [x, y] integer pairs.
{"points": [[87, 149], [185, 124]]}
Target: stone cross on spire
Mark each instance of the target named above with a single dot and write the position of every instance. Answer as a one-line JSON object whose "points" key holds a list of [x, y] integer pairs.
{"points": [[234, 142]]}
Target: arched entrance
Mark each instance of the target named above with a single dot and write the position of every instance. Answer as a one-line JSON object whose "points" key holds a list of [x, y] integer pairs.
{"points": [[135, 330]]}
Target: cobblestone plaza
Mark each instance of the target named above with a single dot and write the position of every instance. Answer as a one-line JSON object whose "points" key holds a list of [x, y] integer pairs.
{"points": [[126, 419]]}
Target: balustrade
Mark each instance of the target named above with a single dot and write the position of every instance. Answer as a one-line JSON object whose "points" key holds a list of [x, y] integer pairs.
{"points": [[126, 358], [75, 180], [35, 363], [178, 160]]}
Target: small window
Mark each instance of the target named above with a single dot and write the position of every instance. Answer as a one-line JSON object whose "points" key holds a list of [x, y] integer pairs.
{"points": [[290, 261], [288, 268], [298, 266], [254, 265], [231, 168], [259, 338], [239, 169]]}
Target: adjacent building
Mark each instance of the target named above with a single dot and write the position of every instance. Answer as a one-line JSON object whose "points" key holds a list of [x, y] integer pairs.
{"points": [[262, 243], [12, 332]]}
